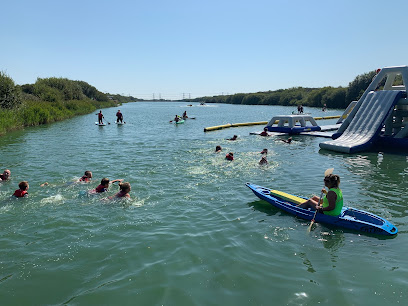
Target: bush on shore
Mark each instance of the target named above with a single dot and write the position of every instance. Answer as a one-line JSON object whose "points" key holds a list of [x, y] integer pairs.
{"points": [[46, 101]]}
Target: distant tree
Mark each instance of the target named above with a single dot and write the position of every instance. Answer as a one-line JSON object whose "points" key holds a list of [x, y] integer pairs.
{"points": [[357, 87], [10, 94]]}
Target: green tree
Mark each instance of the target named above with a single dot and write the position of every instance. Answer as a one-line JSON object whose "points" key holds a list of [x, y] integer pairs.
{"points": [[10, 94]]}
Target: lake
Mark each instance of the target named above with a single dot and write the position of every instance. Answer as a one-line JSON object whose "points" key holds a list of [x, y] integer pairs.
{"points": [[192, 233]]}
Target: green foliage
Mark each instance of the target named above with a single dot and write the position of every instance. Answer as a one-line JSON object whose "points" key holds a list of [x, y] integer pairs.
{"points": [[357, 87], [9, 93]]}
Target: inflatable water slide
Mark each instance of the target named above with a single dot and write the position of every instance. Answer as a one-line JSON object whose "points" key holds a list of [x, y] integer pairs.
{"points": [[380, 116]]}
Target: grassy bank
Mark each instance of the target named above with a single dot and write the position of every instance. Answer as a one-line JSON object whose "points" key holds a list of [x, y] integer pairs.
{"points": [[32, 113]]}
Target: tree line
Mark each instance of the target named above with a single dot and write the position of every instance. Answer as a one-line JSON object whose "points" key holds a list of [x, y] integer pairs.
{"points": [[49, 100], [333, 97]]}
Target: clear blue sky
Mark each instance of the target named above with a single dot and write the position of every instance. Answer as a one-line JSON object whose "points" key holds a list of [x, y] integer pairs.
{"points": [[201, 47]]}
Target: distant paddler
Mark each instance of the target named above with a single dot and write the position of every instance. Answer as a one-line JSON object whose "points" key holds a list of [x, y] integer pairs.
{"points": [[119, 117]]}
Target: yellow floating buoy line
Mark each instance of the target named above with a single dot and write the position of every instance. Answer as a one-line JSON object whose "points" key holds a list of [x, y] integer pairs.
{"points": [[228, 125]]}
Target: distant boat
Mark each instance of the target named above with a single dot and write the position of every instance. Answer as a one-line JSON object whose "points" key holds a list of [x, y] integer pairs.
{"points": [[202, 103]]}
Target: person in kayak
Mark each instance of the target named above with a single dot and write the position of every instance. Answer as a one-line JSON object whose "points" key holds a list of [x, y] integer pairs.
{"points": [[185, 115], [5, 176], [100, 117], [264, 132], [119, 116], [104, 185], [22, 192], [332, 202], [177, 118]]}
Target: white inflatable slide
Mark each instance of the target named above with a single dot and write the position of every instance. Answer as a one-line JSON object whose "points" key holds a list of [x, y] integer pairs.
{"points": [[367, 122]]}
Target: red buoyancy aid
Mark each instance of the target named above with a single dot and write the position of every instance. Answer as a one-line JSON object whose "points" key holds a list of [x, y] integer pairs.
{"points": [[20, 193]]}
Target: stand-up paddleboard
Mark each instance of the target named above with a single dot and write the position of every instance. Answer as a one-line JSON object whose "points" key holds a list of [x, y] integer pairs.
{"points": [[100, 124], [119, 123]]}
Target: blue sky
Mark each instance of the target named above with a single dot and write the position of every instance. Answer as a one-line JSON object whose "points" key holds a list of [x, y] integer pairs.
{"points": [[199, 48]]}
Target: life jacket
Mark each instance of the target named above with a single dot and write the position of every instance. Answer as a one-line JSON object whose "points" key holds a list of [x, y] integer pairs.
{"points": [[20, 193], [339, 203], [101, 188], [229, 157], [84, 179]]}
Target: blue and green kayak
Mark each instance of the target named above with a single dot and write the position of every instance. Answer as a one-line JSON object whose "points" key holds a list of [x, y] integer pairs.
{"points": [[350, 218]]}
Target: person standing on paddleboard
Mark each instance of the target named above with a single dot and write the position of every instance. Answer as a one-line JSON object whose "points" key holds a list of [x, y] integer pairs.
{"points": [[119, 117], [100, 117]]}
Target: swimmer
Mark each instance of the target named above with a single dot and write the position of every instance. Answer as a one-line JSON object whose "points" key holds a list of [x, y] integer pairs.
{"points": [[264, 151], [124, 190], [264, 132], [233, 138], [263, 161], [229, 156], [104, 185], [218, 149], [86, 178], [22, 192], [289, 140], [5, 176]]}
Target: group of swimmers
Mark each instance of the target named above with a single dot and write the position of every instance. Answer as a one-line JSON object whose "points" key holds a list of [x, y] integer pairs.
{"points": [[230, 155], [119, 117], [124, 187]]}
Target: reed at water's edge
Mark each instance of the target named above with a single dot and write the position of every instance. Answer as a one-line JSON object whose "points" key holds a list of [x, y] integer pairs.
{"points": [[33, 113]]}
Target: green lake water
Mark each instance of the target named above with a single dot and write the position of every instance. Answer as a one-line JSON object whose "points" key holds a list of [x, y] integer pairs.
{"points": [[193, 233]]}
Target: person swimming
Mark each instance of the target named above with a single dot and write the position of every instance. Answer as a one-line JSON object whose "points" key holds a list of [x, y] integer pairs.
{"points": [[104, 185], [124, 190], [233, 137], [229, 156], [264, 132], [22, 192], [263, 161], [218, 149]]}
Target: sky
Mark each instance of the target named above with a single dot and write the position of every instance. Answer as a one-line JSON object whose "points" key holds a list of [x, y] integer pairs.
{"points": [[193, 48]]}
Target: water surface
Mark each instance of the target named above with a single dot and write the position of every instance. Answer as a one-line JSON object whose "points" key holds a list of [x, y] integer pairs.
{"points": [[192, 234]]}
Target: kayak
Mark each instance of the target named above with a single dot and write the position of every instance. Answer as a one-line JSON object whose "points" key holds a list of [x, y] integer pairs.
{"points": [[350, 218], [100, 124], [180, 121]]}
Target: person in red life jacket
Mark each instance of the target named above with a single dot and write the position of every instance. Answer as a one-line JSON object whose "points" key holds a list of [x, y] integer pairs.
{"points": [[264, 132], [104, 185], [86, 178], [264, 151], [229, 156], [124, 190], [100, 117], [5, 176], [22, 192], [119, 116], [263, 161]]}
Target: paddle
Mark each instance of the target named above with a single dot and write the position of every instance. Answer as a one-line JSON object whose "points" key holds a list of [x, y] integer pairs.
{"points": [[326, 173]]}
